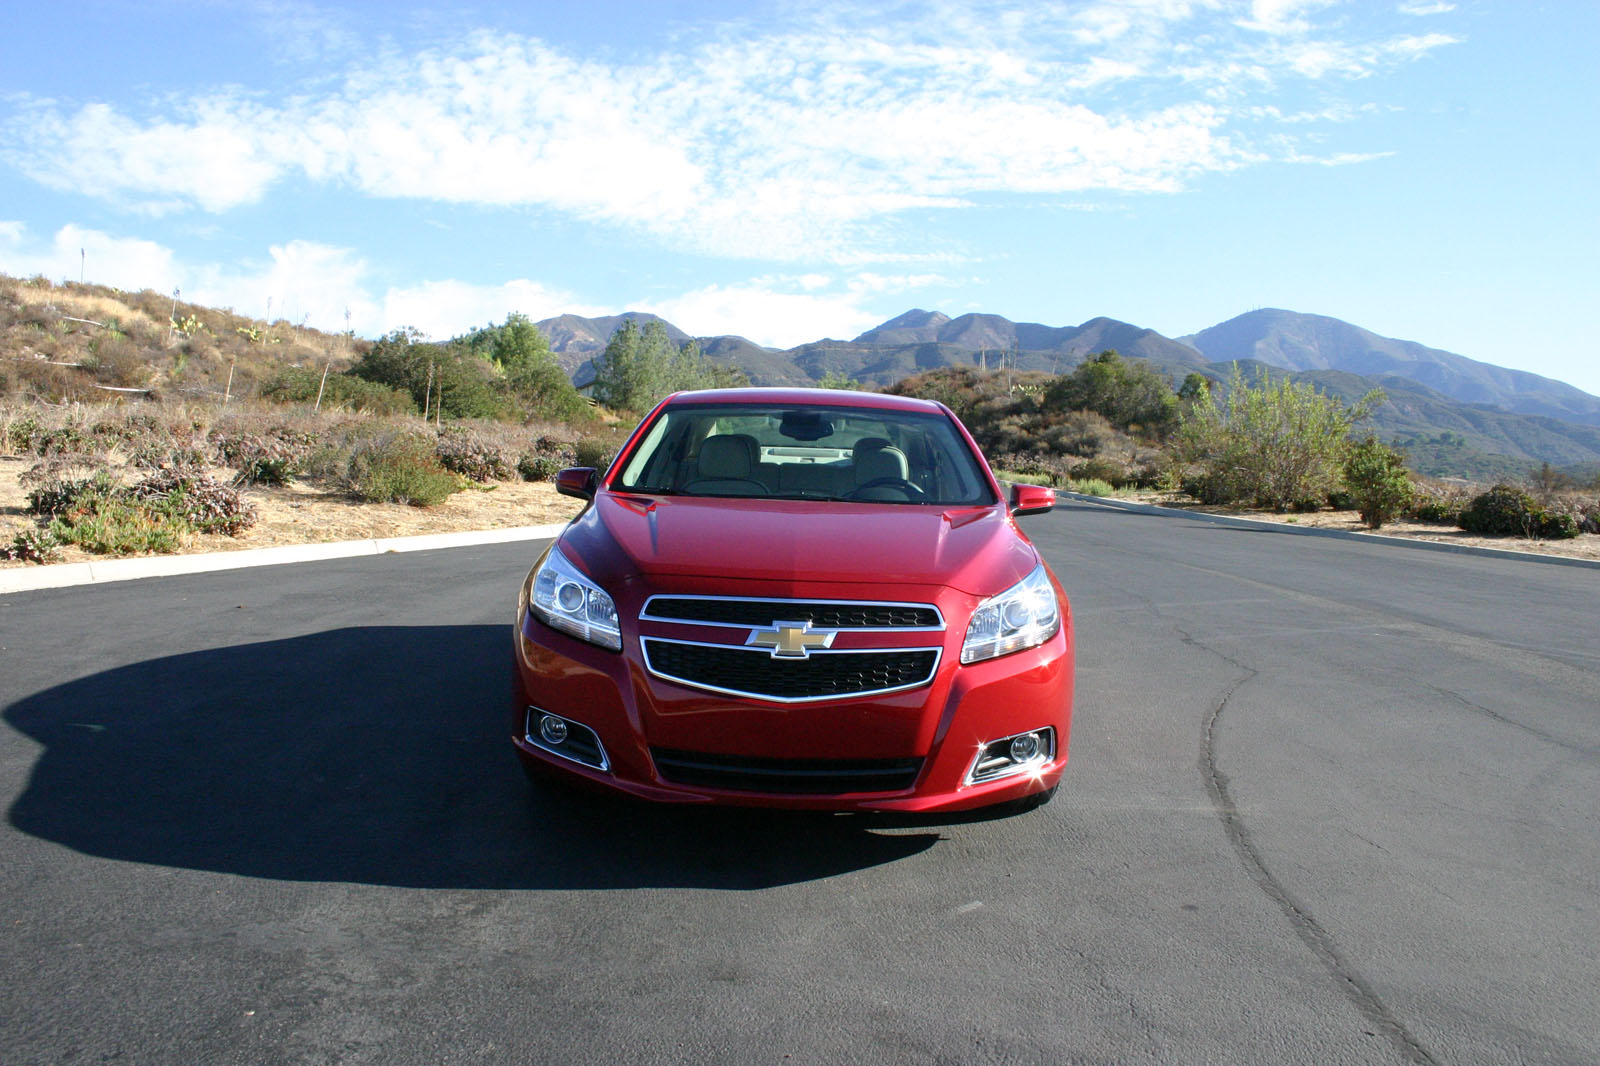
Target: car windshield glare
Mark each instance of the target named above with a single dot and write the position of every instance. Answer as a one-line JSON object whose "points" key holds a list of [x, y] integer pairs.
{"points": [[799, 452]]}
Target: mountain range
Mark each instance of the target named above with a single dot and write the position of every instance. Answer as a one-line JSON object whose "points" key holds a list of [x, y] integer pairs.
{"points": [[1455, 414]]}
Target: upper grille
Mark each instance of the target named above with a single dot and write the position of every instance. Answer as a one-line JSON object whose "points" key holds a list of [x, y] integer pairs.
{"points": [[819, 676], [823, 615], [789, 776]]}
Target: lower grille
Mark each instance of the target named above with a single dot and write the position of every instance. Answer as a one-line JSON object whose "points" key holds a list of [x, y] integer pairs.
{"points": [[785, 776], [819, 676]]}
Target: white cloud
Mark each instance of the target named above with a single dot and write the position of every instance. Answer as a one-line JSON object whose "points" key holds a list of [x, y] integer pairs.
{"points": [[1426, 7], [448, 308], [123, 262], [803, 143], [301, 281], [767, 312]]}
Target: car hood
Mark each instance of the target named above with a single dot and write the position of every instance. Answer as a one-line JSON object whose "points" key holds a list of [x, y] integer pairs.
{"points": [[976, 550]]}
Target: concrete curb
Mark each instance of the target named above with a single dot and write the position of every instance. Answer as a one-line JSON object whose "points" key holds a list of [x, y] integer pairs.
{"points": [[1336, 534], [65, 574]]}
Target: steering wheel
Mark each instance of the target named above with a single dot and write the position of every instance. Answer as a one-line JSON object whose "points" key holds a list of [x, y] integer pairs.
{"points": [[911, 490]]}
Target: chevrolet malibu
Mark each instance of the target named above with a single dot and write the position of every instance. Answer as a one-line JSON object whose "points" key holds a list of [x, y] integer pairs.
{"points": [[797, 598]]}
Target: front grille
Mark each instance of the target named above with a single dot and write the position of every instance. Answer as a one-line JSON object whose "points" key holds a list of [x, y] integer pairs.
{"points": [[822, 615], [789, 776], [819, 676]]}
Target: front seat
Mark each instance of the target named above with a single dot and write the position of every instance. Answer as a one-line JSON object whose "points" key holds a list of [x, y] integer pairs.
{"points": [[874, 459], [725, 468]]}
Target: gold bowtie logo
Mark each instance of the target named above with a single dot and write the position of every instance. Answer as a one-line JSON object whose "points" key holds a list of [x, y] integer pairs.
{"points": [[791, 640]]}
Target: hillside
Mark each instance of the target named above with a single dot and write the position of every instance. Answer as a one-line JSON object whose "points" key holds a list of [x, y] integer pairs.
{"points": [[82, 342], [1296, 341]]}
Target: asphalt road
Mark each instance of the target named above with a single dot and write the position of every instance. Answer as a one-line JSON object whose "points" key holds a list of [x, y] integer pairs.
{"points": [[1328, 803]]}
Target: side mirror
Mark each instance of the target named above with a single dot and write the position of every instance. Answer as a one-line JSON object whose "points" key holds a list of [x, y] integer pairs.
{"points": [[1031, 499], [577, 481]]}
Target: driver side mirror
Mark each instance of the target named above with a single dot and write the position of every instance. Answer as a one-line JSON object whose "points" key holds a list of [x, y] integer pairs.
{"points": [[576, 481], [1030, 499]]}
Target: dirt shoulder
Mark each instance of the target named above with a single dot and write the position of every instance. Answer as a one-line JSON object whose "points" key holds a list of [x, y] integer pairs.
{"points": [[1585, 546], [303, 514]]}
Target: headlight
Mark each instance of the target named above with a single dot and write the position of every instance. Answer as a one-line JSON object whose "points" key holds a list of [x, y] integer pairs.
{"points": [[564, 599], [1023, 616]]}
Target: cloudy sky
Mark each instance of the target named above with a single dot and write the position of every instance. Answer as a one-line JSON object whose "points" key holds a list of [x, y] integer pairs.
{"points": [[787, 171]]}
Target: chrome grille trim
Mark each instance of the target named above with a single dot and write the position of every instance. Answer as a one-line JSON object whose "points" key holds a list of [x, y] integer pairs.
{"points": [[789, 610], [760, 657]]}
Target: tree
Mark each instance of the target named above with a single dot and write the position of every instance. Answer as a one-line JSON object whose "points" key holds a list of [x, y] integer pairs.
{"points": [[1275, 444], [1376, 477], [1131, 394], [640, 366], [446, 374], [532, 374], [518, 344]]}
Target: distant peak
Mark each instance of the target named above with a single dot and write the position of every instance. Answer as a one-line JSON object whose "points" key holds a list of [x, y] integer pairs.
{"points": [[916, 318]]}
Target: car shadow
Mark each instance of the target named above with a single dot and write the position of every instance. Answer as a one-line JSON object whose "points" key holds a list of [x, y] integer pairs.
{"points": [[377, 756]]}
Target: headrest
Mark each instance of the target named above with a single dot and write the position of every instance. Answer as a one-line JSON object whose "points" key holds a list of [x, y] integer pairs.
{"points": [[879, 463], [725, 456]]}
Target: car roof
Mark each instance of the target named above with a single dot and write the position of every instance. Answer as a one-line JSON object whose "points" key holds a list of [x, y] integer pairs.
{"points": [[807, 397]]}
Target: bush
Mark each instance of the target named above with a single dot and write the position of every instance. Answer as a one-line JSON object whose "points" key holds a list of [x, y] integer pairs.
{"points": [[1506, 510], [1130, 393], [401, 468], [1106, 471], [538, 467], [1090, 487], [32, 546], [1275, 444], [115, 525], [20, 433], [464, 452], [271, 460], [340, 391], [199, 502], [1377, 480], [595, 452]]}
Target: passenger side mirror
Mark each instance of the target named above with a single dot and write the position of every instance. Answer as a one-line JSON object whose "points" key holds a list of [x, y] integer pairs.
{"points": [[576, 481], [1031, 499]]}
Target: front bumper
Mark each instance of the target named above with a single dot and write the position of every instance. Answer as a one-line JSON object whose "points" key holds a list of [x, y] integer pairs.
{"points": [[908, 751]]}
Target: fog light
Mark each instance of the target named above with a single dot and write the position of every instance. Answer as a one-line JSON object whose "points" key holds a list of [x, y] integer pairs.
{"points": [[552, 729], [1020, 753], [1025, 747]]}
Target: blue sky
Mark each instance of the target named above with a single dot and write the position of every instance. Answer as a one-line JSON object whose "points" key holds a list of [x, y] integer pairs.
{"points": [[1426, 169]]}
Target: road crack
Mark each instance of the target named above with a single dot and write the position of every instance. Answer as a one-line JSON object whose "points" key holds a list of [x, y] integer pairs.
{"points": [[1305, 926]]}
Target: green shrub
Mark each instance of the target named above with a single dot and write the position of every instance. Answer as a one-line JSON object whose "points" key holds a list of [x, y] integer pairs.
{"points": [[32, 546], [150, 455], [1271, 443], [1100, 469], [595, 452], [116, 525], [1090, 486], [533, 467], [201, 503], [1508, 511], [401, 468], [1377, 480], [340, 391], [56, 495], [59, 441], [21, 433]]}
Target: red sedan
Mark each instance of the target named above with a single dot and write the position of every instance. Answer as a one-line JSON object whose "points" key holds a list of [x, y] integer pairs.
{"points": [[797, 598]]}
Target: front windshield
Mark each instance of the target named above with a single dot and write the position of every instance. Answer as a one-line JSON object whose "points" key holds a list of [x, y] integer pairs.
{"points": [[771, 451]]}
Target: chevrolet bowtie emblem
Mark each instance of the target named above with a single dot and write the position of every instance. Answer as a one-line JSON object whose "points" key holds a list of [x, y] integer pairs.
{"points": [[791, 640]]}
